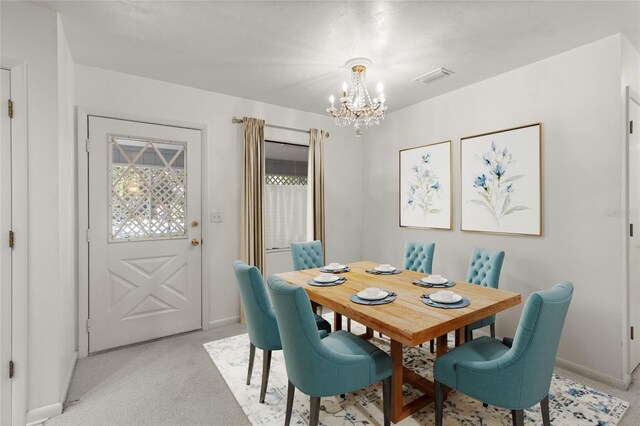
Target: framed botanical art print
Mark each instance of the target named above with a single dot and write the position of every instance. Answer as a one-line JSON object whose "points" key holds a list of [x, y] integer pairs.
{"points": [[501, 181], [425, 186]]}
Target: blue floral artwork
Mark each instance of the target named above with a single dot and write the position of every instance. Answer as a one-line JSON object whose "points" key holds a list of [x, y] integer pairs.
{"points": [[501, 181], [425, 186], [495, 187]]}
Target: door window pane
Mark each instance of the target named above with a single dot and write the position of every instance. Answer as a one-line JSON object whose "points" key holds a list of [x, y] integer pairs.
{"points": [[148, 189]]}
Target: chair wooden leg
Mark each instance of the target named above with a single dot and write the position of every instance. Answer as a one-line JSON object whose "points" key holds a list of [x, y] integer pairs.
{"points": [[439, 399], [349, 325], [485, 405], [492, 328], [386, 400], [544, 409], [314, 414], [518, 417], [252, 356], [468, 335], [380, 334], [291, 390], [266, 364], [320, 310], [432, 346]]}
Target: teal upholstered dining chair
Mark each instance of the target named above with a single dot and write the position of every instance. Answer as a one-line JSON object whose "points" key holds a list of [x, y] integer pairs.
{"points": [[307, 255], [484, 269], [516, 373], [261, 320], [335, 365], [418, 257]]}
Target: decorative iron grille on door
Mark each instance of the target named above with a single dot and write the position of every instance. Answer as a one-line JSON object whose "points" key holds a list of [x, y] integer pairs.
{"points": [[148, 189]]}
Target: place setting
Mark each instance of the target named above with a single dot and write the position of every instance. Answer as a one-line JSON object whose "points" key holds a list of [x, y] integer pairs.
{"points": [[445, 299], [326, 280], [373, 296], [384, 269], [434, 281], [335, 268]]}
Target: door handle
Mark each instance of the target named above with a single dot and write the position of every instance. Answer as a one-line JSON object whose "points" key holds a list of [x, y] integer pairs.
{"points": [[195, 242]]}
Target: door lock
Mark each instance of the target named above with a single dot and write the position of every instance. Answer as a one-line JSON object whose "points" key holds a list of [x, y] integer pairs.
{"points": [[194, 224], [195, 242]]}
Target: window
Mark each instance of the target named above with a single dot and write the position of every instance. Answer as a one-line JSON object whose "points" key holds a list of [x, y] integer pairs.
{"points": [[148, 183], [285, 194]]}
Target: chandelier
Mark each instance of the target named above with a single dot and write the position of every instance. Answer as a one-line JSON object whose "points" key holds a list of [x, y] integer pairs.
{"points": [[357, 108]]}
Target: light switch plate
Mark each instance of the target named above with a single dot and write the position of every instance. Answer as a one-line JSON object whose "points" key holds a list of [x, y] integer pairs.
{"points": [[216, 217]]}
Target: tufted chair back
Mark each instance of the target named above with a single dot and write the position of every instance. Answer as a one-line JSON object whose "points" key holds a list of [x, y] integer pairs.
{"points": [[418, 257], [485, 266], [261, 320], [338, 364], [307, 255], [535, 344]]}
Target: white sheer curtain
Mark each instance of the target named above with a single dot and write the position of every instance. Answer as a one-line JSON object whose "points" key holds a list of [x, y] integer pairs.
{"points": [[285, 215]]}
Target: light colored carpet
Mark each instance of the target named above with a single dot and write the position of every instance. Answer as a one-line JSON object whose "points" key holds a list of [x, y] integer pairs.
{"points": [[164, 382], [112, 388], [570, 403]]}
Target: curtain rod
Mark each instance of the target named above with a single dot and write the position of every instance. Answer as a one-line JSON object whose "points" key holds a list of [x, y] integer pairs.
{"points": [[236, 120]]}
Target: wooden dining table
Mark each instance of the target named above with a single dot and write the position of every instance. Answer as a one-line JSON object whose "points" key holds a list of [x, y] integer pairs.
{"points": [[407, 321]]}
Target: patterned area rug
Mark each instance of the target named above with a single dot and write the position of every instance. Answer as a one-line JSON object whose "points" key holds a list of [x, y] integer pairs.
{"points": [[570, 403]]}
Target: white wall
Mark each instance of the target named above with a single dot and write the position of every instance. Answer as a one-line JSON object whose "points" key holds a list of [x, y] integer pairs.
{"points": [[67, 209], [576, 95], [30, 34], [122, 93]]}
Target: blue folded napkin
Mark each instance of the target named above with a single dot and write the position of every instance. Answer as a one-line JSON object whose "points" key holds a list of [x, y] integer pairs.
{"points": [[420, 283], [319, 284], [390, 298], [461, 304]]}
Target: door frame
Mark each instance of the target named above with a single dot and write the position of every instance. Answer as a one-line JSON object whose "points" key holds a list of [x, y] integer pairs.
{"points": [[630, 95], [20, 253], [82, 132]]}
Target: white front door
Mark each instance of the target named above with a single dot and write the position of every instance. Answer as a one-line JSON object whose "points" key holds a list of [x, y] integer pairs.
{"points": [[5, 251], [145, 229], [634, 220]]}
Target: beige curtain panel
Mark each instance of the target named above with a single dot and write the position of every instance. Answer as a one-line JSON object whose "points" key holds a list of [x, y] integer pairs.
{"points": [[252, 229], [316, 186]]}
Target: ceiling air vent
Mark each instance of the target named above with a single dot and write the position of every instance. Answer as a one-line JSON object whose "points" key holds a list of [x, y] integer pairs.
{"points": [[433, 75]]}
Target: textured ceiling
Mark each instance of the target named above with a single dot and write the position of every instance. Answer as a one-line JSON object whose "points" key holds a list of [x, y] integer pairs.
{"points": [[292, 53]]}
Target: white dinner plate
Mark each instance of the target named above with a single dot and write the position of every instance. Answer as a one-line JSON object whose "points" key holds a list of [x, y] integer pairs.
{"points": [[329, 279], [431, 280], [436, 298], [391, 269], [381, 295], [329, 268]]}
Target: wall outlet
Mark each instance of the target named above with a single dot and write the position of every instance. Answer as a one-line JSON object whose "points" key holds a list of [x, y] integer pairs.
{"points": [[216, 217]]}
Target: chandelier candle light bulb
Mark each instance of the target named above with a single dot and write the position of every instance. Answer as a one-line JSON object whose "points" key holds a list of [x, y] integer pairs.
{"points": [[357, 108]]}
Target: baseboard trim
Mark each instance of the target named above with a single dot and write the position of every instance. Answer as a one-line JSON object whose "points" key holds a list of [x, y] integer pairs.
{"points": [[224, 321], [38, 416], [616, 382], [67, 382]]}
